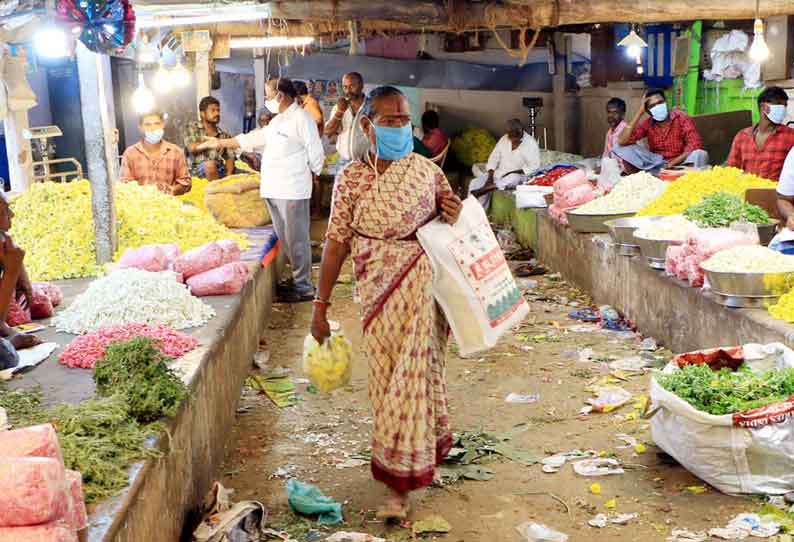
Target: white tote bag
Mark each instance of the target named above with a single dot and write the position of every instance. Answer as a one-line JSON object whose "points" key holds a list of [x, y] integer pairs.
{"points": [[471, 279]]}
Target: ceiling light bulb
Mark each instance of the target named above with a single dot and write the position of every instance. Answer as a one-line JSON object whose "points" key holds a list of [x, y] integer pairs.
{"points": [[633, 51], [162, 81], [51, 42], [759, 51], [142, 98], [180, 76]]}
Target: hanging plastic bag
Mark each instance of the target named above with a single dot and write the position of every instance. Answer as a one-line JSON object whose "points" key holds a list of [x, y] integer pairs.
{"points": [[610, 174], [328, 366], [471, 279]]}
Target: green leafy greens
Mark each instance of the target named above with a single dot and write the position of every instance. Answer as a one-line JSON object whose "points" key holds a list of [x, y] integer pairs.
{"points": [[727, 392], [721, 209]]}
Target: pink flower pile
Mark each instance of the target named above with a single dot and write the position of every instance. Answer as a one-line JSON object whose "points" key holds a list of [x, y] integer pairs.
{"points": [[86, 350], [570, 191], [683, 261]]}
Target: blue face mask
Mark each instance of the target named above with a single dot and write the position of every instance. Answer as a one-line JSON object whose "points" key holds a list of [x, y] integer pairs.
{"points": [[776, 113], [154, 137], [394, 143]]}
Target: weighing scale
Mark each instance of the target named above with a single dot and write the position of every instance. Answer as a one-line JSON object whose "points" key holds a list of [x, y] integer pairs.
{"points": [[39, 136], [533, 104]]}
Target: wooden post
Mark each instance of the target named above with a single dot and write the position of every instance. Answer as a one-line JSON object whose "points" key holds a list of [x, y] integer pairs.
{"points": [[558, 94], [202, 75], [100, 151]]}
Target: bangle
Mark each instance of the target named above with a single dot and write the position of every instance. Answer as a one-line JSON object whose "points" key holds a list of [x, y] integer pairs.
{"points": [[322, 302]]}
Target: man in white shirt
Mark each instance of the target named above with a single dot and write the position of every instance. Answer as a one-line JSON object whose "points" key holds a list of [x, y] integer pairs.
{"points": [[515, 156], [291, 152], [785, 191], [345, 122]]}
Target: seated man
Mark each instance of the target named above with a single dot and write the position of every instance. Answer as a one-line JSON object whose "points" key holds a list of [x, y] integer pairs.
{"points": [[515, 156], [155, 161], [762, 149], [208, 164], [434, 139], [14, 283], [672, 138], [616, 113]]}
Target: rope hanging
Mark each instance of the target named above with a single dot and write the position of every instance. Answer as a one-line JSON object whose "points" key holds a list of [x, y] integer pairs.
{"points": [[524, 48]]}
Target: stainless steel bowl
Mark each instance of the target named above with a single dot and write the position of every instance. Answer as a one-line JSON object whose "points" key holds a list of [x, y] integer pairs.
{"points": [[750, 284], [655, 250], [622, 232], [592, 223]]}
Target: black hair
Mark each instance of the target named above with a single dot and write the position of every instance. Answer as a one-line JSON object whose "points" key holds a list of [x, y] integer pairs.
{"points": [[287, 87], [655, 92], [618, 104], [429, 120], [300, 88], [149, 114], [515, 123], [771, 95], [207, 101], [357, 76], [377, 94]]}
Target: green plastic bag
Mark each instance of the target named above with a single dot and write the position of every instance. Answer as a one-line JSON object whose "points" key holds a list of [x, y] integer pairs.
{"points": [[308, 500]]}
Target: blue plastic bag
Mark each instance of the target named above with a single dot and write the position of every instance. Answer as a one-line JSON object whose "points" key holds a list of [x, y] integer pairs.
{"points": [[308, 500]]}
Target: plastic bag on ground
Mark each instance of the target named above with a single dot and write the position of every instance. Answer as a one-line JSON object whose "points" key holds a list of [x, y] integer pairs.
{"points": [[609, 398], [33, 441], [199, 260], [17, 315], [38, 533], [344, 536], [149, 258], [328, 366], [224, 280], [536, 532], [78, 517], [33, 491], [471, 279], [41, 306], [9, 357], [52, 291], [308, 500], [223, 522]]}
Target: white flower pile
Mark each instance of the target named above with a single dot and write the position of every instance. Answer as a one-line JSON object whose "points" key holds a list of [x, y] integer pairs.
{"points": [[630, 195], [669, 228], [134, 296], [750, 259]]}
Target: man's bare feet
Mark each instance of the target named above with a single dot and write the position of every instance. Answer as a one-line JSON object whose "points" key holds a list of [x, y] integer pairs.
{"points": [[20, 341], [395, 508]]}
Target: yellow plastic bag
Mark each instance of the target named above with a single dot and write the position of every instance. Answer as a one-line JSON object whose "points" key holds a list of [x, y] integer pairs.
{"points": [[328, 366]]}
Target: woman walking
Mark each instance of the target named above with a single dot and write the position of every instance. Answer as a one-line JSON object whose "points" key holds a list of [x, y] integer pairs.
{"points": [[378, 206]]}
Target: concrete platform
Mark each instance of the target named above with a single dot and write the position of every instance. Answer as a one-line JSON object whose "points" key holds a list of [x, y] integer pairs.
{"points": [[680, 317], [164, 491]]}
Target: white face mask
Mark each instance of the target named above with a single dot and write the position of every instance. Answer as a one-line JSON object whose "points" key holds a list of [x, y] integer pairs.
{"points": [[272, 106], [776, 113], [659, 112]]}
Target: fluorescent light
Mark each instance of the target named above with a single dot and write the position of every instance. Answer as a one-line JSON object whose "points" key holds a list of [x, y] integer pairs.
{"points": [[759, 51], [209, 17], [51, 42], [269, 42]]}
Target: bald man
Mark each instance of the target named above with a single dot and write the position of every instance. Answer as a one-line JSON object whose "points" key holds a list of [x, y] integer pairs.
{"points": [[515, 156]]}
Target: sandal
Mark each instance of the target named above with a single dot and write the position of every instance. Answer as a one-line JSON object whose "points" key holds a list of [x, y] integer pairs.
{"points": [[529, 270], [391, 510]]}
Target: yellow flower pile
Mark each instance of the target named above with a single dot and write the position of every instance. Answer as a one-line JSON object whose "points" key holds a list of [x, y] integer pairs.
{"points": [[196, 195], [54, 225], [328, 366], [784, 309], [691, 188]]}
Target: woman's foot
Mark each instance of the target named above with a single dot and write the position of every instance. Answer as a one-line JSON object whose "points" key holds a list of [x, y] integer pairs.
{"points": [[395, 508]]}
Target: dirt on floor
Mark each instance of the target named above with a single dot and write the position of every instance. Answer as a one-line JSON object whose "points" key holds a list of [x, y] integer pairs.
{"points": [[323, 438]]}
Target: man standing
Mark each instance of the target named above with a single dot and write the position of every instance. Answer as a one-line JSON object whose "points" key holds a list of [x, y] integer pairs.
{"points": [[762, 149], [352, 143], [155, 161], [292, 151], [616, 113], [515, 156], [672, 137], [310, 104], [208, 164]]}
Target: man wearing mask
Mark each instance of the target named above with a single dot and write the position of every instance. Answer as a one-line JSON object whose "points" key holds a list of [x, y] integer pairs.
{"points": [[515, 156], [672, 137], [155, 161], [345, 123], [291, 152], [762, 149], [208, 164]]}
